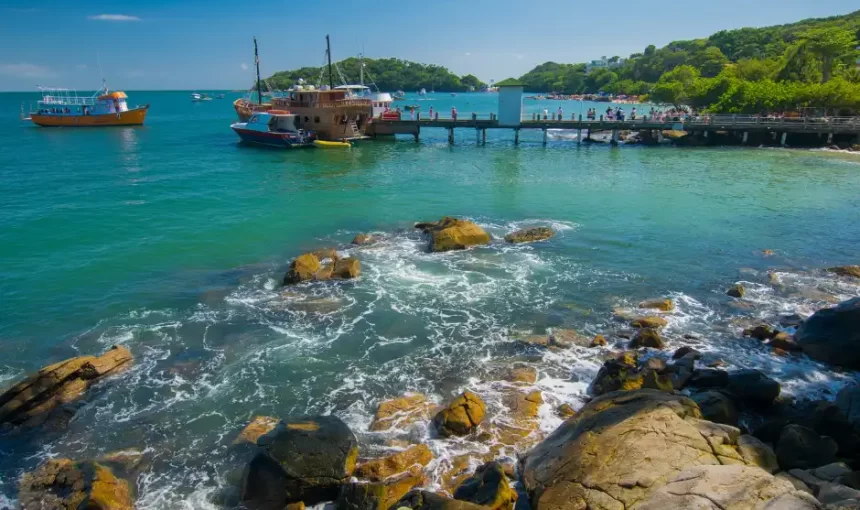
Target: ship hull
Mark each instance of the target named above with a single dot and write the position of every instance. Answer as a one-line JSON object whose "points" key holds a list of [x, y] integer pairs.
{"points": [[133, 117], [245, 110], [269, 139]]}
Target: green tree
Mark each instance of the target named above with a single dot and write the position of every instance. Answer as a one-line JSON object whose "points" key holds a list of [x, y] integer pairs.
{"points": [[828, 45], [471, 80], [710, 61], [676, 86]]}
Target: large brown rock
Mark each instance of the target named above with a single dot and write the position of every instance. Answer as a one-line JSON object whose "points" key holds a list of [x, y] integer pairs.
{"points": [[306, 459], [375, 495], [647, 337], [530, 235], [461, 416], [853, 271], [488, 487], [259, 426], [346, 268], [32, 401], [423, 500], [728, 487], [310, 266], [61, 484], [832, 335], [402, 411], [619, 373], [649, 321], [666, 305], [302, 269], [379, 469], [453, 234], [620, 448]]}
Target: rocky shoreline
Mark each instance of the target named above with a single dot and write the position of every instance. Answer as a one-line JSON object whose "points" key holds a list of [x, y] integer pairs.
{"points": [[661, 428]]}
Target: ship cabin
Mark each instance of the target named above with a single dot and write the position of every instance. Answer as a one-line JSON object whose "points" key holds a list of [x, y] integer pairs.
{"points": [[67, 102], [333, 114]]}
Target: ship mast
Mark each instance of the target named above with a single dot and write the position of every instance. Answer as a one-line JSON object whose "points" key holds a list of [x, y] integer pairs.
{"points": [[257, 62], [361, 63], [328, 55]]}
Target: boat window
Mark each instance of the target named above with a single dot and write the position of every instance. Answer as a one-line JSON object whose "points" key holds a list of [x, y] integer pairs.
{"points": [[254, 119], [317, 120], [307, 119]]}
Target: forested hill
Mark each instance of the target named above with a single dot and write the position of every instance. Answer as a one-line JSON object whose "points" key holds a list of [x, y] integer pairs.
{"points": [[389, 74]]}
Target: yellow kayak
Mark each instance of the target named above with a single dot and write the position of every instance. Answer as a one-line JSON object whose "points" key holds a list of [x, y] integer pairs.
{"points": [[331, 145]]}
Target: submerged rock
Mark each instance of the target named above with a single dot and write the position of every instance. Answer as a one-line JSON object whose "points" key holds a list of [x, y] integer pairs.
{"points": [[41, 396], [60, 484], [530, 235], [666, 305], [462, 416], [736, 291], [832, 335], [453, 234], [306, 459], [259, 426], [647, 337], [652, 322], [853, 271], [761, 332], [397, 463], [488, 487], [363, 239], [566, 338], [402, 411]]}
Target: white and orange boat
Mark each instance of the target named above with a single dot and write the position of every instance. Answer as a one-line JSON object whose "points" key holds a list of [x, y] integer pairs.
{"points": [[65, 108]]}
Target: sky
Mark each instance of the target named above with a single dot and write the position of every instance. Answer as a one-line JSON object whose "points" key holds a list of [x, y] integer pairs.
{"points": [[202, 45]]}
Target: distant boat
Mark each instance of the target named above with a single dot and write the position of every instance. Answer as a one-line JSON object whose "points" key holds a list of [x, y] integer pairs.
{"points": [[196, 98], [219, 96], [398, 95], [63, 107], [422, 92], [453, 94]]}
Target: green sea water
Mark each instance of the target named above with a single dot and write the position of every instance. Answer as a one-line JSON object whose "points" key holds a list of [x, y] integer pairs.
{"points": [[172, 238]]}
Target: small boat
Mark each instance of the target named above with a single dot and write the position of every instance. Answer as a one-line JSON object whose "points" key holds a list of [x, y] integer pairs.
{"points": [[422, 92], [275, 128], [331, 145], [63, 107], [219, 96], [453, 94], [398, 95]]}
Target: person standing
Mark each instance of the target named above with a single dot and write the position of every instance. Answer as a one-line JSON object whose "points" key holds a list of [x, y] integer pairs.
{"points": [[431, 112], [454, 113], [560, 113]]}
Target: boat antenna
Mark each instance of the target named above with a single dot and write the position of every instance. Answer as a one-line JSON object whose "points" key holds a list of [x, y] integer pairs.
{"points": [[257, 63], [362, 67], [328, 55], [104, 82]]}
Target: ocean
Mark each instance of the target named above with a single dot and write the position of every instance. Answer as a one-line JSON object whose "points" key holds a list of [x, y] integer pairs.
{"points": [[173, 239]]}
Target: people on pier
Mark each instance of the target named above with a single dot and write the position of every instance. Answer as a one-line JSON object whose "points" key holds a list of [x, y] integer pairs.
{"points": [[454, 113], [431, 112], [545, 114], [560, 113]]}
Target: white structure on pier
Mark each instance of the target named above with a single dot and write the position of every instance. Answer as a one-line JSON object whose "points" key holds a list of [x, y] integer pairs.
{"points": [[510, 105]]}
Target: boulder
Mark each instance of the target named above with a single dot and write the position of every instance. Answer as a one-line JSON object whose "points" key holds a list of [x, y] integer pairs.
{"points": [[756, 453], [761, 332], [44, 395], [488, 487], [728, 487], [379, 469], [852, 271], [709, 378], [666, 305], [802, 448], [259, 426], [306, 459], [848, 401], [346, 268], [363, 239], [685, 350], [620, 448], [619, 373], [832, 335], [402, 411], [60, 484], [453, 234], [784, 341], [598, 341], [716, 407], [752, 387], [647, 337], [303, 268], [375, 495], [829, 419], [530, 235], [736, 291], [566, 338], [657, 381], [651, 321], [519, 374], [423, 500], [565, 411], [460, 417]]}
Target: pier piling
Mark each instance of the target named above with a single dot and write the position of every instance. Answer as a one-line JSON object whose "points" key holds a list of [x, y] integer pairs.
{"points": [[784, 138], [516, 136], [544, 136], [451, 135], [484, 136], [746, 135]]}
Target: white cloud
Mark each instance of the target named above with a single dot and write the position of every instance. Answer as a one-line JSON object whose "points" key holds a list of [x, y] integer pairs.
{"points": [[113, 17], [467, 54], [26, 71], [81, 67], [244, 66]]}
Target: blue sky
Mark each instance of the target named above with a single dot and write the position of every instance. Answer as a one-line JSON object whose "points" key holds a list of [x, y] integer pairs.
{"points": [[193, 44]]}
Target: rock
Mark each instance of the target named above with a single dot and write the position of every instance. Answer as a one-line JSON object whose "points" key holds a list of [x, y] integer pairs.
{"points": [[461, 416], [45, 394], [598, 341], [752, 387], [767, 253], [453, 234], [565, 411], [60, 484], [524, 406], [402, 411], [727, 487], [616, 374], [530, 235], [306, 459], [709, 378], [736, 291], [566, 338], [295, 506], [656, 381], [520, 374], [259, 426], [379, 469], [423, 500], [540, 340], [666, 305], [302, 269], [685, 350], [760, 332], [797, 482], [784, 341], [848, 401], [363, 239], [756, 453], [620, 448], [125, 461], [791, 321], [829, 420], [652, 322], [801, 447], [831, 472], [716, 407], [346, 268], [375, 495], [832, 335], [647, 337], [852, 271], [488, 487]]}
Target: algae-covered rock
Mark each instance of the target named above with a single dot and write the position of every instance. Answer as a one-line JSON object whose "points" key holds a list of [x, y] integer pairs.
{"points": [[488, 487], [306, 459], [60, 484], [394, 464], [424, 500], [647, 337], [453, 234], [310, 267], [302, 269], [259, 426], [530, 235], [347, 268], [736, 291], [376, 495], [598, 341], [666, 305], [461, 416], [651, 321], [363, 239], [852, 271], [619, 373], [402, 411]]}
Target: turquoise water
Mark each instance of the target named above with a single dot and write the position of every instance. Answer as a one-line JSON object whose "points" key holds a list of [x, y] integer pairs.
{"points": [[171, 238]]}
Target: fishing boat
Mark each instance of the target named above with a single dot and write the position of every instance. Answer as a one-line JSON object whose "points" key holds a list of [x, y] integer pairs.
{"points": [[195, 97], [244, 106], [275, 128], [64, 107]]}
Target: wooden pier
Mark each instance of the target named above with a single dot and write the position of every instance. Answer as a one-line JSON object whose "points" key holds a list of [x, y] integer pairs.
{"points": [[739, 125]]}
